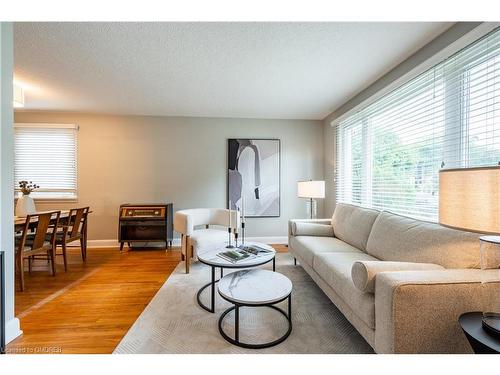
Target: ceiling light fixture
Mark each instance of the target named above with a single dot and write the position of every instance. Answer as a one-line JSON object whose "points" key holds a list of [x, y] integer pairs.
{"points": [[18, 96]]}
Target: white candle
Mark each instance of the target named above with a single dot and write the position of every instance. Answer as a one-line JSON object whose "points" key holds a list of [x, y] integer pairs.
{"points": [[242, 209], [236, 225], [230, 213]]}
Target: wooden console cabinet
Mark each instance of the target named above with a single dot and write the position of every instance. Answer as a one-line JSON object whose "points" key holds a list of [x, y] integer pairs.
{"points": [[146, 223]]}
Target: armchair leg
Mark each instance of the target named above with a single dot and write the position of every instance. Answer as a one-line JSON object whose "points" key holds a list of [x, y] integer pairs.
{"points": [[182, 248], [188, 252]]}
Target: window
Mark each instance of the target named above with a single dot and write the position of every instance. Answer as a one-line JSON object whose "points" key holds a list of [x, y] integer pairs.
{"points": [[46, 155], [390, 152]]}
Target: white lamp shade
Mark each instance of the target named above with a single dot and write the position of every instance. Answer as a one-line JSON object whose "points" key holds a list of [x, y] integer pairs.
{"points": [[469, 198], [18, 100], [311, 189]]}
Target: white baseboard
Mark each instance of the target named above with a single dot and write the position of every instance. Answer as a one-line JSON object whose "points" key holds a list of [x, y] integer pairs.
{"points": [[102, 243], [177, 242], [12, 330]]}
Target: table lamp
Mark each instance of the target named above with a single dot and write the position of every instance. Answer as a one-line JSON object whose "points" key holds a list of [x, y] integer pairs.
{"points": [[469, 198], [311, 190]]}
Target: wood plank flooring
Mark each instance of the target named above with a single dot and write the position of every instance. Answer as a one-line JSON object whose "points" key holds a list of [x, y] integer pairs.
{"points": [[91, 307]]}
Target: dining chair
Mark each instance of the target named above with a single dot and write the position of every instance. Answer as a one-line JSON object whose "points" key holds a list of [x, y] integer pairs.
{"points": [[74, 229], [38, 237]]}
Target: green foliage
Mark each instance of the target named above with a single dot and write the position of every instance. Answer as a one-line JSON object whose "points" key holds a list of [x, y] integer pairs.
{"points": [[410, 169]]}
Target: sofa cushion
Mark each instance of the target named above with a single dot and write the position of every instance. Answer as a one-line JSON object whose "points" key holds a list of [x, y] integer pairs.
{"points": [[353, 224], [402, 239], [335, 270], [363, 273], [307, 247], [311, 229], [207, 239]]}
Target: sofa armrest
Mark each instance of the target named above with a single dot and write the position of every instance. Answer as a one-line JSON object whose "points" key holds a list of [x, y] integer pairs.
{"points": [[418, 311], [364, 272], [312, 221]]}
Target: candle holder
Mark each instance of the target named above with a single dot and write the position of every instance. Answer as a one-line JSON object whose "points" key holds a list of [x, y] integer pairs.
{"points": [[235, 239], [230, 245], [242, 233]]}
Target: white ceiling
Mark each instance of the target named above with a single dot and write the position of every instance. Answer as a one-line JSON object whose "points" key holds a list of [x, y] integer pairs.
{"points": [[252, 70]]}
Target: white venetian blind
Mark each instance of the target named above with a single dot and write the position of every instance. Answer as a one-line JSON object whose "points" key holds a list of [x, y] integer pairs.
{"points": [[46, 155], [390, 152]]}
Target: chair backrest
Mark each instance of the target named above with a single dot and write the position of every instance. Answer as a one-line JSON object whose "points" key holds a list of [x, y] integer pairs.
{"points": [[186, 220], [76, 220], [41, 224], [353, 224], [403, 239]]}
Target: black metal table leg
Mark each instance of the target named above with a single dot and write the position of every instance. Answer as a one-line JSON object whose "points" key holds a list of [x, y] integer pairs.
{"points": [[294, 261], [221, 272], [274, 264], [211, 284], [237, 323], [212, 303]]}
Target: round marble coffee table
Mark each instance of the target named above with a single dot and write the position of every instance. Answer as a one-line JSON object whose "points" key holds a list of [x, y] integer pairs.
{"points": [[255, 288], [210, 258]]}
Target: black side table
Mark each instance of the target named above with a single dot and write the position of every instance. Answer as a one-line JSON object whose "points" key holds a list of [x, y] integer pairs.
{"points": [[482, 341]]}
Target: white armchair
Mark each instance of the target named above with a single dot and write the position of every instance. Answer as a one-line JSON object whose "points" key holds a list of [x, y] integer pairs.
{"points": [[195, 239]]}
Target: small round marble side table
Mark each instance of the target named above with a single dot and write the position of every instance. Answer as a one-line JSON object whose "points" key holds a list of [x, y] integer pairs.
{"points": [[255, 288], [210, 258]]}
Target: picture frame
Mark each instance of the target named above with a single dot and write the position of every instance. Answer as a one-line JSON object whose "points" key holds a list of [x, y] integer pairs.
{"points": [[254, 176]]}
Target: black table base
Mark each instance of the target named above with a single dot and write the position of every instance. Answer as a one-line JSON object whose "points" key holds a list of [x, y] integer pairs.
{"points": [[482, 341], [236, 340], [214, 281]]}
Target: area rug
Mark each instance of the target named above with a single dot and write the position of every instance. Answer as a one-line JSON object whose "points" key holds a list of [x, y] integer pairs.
{"points": [[173, 322]]}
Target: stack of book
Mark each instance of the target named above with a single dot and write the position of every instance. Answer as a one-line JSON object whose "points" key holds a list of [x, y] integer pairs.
{"points": [[244, 252]]}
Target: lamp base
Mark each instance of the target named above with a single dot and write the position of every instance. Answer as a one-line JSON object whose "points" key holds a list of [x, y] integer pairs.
{"points": [[491, 324], [312, 208]]}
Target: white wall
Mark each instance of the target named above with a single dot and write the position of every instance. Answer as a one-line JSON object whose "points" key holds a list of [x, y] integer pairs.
{"points": [[179, 159], [6, 173]]}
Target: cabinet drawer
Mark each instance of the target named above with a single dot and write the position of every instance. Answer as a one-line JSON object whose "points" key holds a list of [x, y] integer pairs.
{"points": [[143, 233]]}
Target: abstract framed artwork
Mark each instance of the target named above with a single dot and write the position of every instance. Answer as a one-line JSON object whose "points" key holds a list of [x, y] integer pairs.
{"points": [[253, 176]]}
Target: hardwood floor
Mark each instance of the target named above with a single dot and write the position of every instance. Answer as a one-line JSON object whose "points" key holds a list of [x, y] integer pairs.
{"points": [[89, 308]]}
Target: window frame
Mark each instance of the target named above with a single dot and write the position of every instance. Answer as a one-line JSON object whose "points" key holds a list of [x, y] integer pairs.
{"points": [[55, 199]]}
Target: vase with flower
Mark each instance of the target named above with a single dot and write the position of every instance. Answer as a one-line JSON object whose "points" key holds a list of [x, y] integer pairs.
{"points": [[25, 204]]}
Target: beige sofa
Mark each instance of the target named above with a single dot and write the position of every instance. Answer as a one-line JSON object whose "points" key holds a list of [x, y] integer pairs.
{"points": [[401, 282]]}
